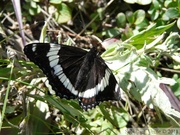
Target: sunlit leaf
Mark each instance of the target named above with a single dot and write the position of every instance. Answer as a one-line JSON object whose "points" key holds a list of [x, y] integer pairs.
{"points": [[141, 2], [148, 35], [178, 23], [139, 16], [55, 1], [62, 13], [170, 13]]}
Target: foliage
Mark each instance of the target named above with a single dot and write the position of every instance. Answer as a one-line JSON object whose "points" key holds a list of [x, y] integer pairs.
{"points": [[60, 11], [146, 57], [138, 63]]}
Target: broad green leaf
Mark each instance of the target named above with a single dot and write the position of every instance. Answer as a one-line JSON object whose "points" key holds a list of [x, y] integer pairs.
{"points": [[143, 85], [33, 4], [63, 13], [156, 5], [154, 14], [118, 118], [152, 44], [139, 16], [111, 32], [39, 116], [148, 35], [32, 11], [121, 19], [135, 75], [130, 17], [10, 109], [170, 13]]}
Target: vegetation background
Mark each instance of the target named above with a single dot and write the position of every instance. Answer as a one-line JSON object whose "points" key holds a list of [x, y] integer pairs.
{"points": [[141, 39]]}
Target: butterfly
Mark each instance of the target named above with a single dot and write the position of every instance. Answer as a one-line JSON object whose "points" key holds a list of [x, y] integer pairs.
{"points": [[75, 73]]}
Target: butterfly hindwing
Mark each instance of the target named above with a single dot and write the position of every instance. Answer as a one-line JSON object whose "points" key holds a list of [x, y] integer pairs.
{"points": [[101, 86], [75, 73]]}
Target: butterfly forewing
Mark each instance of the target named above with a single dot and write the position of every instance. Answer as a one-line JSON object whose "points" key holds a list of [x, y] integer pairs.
{"points": [[75, 73], [47, 57]]}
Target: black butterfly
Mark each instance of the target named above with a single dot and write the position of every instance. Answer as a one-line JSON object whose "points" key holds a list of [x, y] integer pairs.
{"points": [[75, 73]]}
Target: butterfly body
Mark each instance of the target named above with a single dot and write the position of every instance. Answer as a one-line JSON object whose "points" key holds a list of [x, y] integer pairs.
{"points": [[75, 73]]}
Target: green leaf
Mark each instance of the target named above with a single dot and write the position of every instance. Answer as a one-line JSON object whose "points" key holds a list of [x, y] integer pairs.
{"points": [[111, 32], [10, 109], [148, 35], [142, 83], [139, 16], [63, 13], [117, 117], [55, 1], [39, 111], [178, 23], [33, 4], [4, 72], [170, 13], [121, 20], [156, 5], [178, 1], [130, 17], [154, 14], [63, 106], [32, 11]]}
